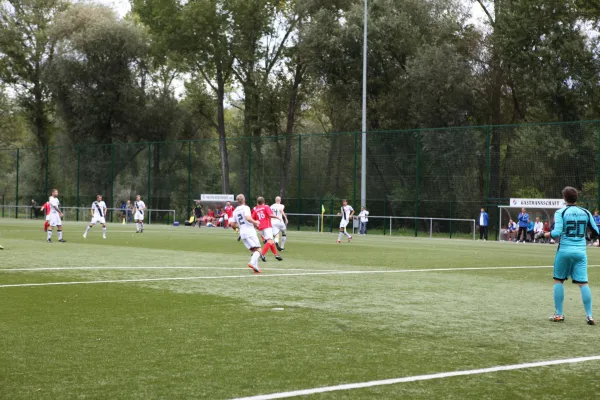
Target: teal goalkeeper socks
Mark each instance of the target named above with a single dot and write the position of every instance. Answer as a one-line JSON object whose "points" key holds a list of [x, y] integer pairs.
{"points": [[586, 297], [559, 298]]}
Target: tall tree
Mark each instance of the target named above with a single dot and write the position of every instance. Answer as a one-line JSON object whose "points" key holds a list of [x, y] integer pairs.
{"points": [[198, 34], [25, 48]]}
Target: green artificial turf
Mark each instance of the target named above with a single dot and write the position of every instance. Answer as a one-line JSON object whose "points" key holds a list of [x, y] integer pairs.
{"points": [[220, 332]]}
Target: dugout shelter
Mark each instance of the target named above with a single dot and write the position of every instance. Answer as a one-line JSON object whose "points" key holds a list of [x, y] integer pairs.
{"points": [[536, 208]]}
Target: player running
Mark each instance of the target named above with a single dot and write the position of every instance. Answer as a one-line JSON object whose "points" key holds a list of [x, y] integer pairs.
{"points": [[571, 224], [263, 214], [242, 219], [228, 215], [346, 214], [46, 209], [140, 208], [98, 216], [279, 226], [55, 217]]}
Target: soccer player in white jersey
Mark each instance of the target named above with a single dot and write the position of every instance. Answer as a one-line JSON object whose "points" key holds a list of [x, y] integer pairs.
{"points": [[279, 225], [98, 216], [346, 214], [242, 219], [55, 217], [140, 209]]}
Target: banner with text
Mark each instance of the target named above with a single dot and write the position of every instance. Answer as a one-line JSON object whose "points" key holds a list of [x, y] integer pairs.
{"points": [[216, 197], [537, 203]]}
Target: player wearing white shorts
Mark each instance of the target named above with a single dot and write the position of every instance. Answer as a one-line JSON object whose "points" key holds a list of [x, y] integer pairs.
{"points": [[242, 219], [347, 212], [279, 225], [140, 209], [55, 217], [98, 216]]}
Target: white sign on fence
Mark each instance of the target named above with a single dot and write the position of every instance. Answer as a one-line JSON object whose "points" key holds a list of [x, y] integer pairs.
{"points": [[537, 203], [216, 197]]}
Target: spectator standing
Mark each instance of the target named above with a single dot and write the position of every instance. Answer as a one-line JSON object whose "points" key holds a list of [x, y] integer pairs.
{"points": [[484, 221], [530, 229], [364, 220], [123, 212], [129, 211], [523, 219], [198, 215], [35, 209]]}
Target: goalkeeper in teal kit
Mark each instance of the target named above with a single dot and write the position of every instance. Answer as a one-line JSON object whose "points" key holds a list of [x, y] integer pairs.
{"points": [[571, 226]]}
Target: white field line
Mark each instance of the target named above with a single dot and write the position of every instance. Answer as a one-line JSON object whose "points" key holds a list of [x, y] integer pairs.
{"points": [[361, 385], [263, 276], [99, 268]]}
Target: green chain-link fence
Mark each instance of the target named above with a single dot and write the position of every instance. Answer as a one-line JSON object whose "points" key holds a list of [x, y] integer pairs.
{"points": [[443, 173]]}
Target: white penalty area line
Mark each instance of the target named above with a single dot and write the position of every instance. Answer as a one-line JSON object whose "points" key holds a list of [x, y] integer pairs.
{"points": [[263, 276], [362, 385]]}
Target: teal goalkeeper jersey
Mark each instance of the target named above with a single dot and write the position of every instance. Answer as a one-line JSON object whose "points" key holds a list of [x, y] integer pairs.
{"points": [[571, 224]]}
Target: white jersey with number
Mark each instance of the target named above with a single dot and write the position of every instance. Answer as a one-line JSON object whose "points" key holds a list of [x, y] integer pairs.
{"points": [[278, 226], [346, 211], [246, 227], [278, 210]]}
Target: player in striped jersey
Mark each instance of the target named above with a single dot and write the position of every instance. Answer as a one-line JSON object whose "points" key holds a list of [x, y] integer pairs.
{"points": [[279, 225], [98, 216], [347, 212], [140, 209]]}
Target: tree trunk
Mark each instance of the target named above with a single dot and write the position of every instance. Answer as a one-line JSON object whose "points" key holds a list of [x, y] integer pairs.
{"points": [[38, 116], [289, 130], [222, 134]]}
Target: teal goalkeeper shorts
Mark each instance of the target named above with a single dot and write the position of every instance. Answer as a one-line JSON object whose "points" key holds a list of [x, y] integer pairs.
{"points": [[571, 264]]}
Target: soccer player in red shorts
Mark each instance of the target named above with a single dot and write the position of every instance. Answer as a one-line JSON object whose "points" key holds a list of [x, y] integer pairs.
{"points": [[263, 215]]}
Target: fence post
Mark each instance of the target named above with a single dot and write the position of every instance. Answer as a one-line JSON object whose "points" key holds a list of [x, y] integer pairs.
{"points": [[17, 187], [78, 179], [430, 228], [355, 171], [418, 161], [250, 167], [384, 212], [189, 202], [331, 218], [149, 175], [299, 178], [488, 163], [450, 219]]}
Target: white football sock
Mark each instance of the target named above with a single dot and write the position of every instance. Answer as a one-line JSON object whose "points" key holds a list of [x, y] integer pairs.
{"points": [[104, 231], [49, 234], [59, 235], [87, 229], [254, 258], [137, 226], [340, 236], [283, 239]]}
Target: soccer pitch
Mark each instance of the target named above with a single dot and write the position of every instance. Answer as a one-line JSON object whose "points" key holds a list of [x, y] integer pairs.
{"points": [[176, 313]]}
